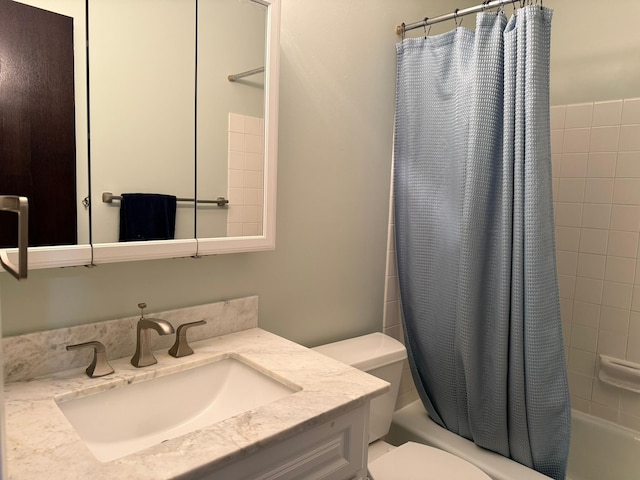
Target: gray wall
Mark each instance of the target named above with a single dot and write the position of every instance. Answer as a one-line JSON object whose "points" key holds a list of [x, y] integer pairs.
{"points": [[325, 279], [595, 50]]}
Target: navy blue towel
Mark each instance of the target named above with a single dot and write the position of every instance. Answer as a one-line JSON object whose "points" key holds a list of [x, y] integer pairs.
{"points": [[147, 216]]}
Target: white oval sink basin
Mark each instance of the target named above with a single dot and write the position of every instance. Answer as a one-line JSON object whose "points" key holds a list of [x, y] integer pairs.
{"points": [[124, 420]]}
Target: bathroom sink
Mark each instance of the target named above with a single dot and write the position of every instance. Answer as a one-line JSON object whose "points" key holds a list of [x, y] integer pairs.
{"points": [[124, 420]]}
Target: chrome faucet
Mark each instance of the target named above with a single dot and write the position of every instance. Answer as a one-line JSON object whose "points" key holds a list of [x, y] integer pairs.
{"points": [[144, 355]]}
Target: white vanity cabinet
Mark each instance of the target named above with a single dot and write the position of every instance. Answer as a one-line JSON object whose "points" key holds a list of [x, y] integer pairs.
{"points": [[317, 431], [333, 450]]}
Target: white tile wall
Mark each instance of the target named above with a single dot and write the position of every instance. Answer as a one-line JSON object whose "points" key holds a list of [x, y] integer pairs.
{"points": [[601, 301], [246, 175], [596, 187]]}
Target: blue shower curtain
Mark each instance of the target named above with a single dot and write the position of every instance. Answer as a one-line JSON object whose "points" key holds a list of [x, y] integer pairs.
{"points": [[475, 236]]}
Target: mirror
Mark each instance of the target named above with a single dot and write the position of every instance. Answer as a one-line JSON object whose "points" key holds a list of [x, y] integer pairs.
{"points": [[56, 194], [164, 118], [164, 112], [230, 126], [142, 68]]}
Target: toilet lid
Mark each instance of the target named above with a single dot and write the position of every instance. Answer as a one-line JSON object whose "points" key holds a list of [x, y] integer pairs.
{"points": [[414, 461]]}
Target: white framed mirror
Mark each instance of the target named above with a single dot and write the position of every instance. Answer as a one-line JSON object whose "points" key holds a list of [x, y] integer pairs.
{"points": [[248, 122], [171, 160], [218, 38]]}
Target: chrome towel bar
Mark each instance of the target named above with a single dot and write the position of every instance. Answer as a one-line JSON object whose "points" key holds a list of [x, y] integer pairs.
{"points": [[108, 197]]}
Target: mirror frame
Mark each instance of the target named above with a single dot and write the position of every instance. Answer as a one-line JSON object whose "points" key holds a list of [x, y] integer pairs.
{"points": [[94, 254]]}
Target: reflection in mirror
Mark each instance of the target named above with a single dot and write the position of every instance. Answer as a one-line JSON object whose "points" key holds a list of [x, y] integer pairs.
{"points": [[44, 153], [142, 114], [230, 127], [161, 106], [146, 124]]}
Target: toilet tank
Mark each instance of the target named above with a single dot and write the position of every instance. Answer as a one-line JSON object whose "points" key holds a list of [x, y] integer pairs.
{"points": [[381, 356]]}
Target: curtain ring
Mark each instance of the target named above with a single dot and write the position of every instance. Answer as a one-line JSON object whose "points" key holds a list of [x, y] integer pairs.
{"points": [[404, 30], [455, 18], [424, 26]]}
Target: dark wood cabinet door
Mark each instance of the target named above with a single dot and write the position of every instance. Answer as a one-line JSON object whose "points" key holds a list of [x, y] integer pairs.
{"points": [[37, 123]]}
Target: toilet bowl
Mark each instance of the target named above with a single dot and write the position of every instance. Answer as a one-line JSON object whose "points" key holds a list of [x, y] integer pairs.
{"points": [[383, 357]]}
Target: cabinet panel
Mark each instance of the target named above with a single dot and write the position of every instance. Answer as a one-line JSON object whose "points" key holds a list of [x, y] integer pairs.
{"points": [[335, 450]]}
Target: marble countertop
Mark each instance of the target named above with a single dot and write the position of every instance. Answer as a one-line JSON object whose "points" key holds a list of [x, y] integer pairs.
{"points": [[42, 444]]}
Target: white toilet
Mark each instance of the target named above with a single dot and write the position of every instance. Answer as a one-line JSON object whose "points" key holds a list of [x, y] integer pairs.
{"points": [[383, 356]]}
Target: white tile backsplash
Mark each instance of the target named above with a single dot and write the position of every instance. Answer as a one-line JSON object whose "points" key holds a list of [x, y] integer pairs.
{"points": [[623, 244], [580, 385], [586, 314], [631, 111], [594, 241], [574, 165], [578, 115], [569, 214], [612, 344], [584, 338], [605, 317], [629, 138], [604, 139], [571, 190], [620, 269], [245, 175], [625, 218], [236, 123], [617, 295], [602, 164], [606, 395], [576, 140], [628, 164], [597, 249], [556, 159], [557, 116], [557, 141], [588, 290], [626, 191], [567, 238], [591, 266], [614, 320], [635, 302], [566, 285], [598, 190], [596, 215], [605, 413], [567, 262], [607, 113], [582, 362]]}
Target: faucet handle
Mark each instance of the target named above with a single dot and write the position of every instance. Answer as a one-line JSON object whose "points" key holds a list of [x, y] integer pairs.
{"points": [[181, 347], [99, 366]]}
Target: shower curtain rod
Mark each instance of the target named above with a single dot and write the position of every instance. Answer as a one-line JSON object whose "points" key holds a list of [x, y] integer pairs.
{"points": [[402, 29]]}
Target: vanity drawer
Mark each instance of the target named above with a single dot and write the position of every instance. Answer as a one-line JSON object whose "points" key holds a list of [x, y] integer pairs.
{"points": [[335, 450]]}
